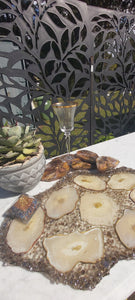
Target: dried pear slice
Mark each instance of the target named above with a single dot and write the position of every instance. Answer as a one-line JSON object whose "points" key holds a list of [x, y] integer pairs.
{"points": [[122, 181], [87, 156], [55, 169], [125, 228], [21, 237], [78, 164], [61, 202], [90, 182], [65, 251], [98, 209], [132, 195], [105, 163]]}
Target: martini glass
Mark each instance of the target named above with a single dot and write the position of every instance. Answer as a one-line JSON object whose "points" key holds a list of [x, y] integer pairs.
{"points": [[65, 112]]}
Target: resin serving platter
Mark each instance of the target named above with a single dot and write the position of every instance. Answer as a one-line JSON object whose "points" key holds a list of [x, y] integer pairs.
{"points": [[83, 275]]}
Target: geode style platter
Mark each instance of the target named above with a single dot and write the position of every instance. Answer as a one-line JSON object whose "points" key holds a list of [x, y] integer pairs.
{"points": [[83, 275]]}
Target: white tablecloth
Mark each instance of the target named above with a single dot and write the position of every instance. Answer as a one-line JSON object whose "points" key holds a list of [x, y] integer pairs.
{"points": [[19, 284]]}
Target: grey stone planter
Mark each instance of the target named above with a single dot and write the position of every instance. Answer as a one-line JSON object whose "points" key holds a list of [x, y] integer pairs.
{"points": [[21, 178]]}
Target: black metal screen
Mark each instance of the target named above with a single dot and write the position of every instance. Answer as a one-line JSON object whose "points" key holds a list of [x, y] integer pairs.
{"points": [[113, 87], [52, 50]]}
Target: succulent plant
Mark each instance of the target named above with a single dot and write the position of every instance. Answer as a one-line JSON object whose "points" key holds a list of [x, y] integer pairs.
{"points": [[17, 143]]}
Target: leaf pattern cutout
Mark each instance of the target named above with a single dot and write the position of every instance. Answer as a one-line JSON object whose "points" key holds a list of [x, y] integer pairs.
{"points": [[59, 77], [65, 40], [50, 31], [75, 63], [75, 36], [65, 13], [76, 12], [56, 20], [45, 50]]}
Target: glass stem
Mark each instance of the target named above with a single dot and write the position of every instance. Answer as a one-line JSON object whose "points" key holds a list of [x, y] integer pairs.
{"points": [[67, 137]]}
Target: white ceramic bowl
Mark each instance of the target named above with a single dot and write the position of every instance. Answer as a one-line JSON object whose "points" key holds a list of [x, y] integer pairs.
{"points": [[22, 177]]}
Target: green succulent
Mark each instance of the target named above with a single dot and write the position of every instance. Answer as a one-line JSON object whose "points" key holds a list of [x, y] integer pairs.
{"points": [[17, 143]]}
